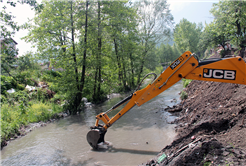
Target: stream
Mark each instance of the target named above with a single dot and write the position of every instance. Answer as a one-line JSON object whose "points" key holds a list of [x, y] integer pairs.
{"points": [[136, 137]]}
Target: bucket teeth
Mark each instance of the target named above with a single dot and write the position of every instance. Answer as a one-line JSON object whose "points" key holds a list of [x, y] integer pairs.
{"points": [[96, 136]]}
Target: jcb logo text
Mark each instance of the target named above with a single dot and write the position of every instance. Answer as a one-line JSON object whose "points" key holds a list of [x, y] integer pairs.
{"points": [[177, 62], [219, 74]]}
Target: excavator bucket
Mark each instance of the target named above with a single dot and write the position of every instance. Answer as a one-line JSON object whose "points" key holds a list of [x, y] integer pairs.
{"points": [[95, 136]]}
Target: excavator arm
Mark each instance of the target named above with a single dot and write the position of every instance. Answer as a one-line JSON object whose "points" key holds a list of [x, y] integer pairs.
{"points": [[229, 70]]}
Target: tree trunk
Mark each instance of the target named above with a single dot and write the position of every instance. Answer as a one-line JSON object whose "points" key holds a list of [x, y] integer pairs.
{"points": [[124, 78], [97, 81], [118, 59], [77, 97], [99, 52], [132, 73], [141, 67], [82, 80]]}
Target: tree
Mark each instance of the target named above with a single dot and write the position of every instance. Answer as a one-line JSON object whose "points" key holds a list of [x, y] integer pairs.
{"points": [[187, 36], [91, 41], [8, 29], [123, 34], [54, 32], [27, 61], [155, 25], [212, 36], [231, 15], [167, 53]]}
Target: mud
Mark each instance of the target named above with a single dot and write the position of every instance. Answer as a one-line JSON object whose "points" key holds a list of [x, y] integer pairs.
{"points": [[211, 127]]}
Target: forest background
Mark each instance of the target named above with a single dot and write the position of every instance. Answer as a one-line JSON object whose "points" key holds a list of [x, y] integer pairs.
{"points": [[95, 48]]}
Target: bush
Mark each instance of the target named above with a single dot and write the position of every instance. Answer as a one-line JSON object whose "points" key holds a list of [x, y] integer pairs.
{"points": [[18, 96], [57, 98], [183, 95], [12, 118], [53, 73], [25, 78], [54, 87], [7, 83], [3, 98], [20, 87], [186, 82]]}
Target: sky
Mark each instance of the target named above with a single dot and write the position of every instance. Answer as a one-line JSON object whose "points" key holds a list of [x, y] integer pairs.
{"points": [[193, 10]]}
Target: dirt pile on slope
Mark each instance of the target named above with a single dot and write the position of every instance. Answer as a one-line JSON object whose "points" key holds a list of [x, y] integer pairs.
{"points": [[211, 128]]}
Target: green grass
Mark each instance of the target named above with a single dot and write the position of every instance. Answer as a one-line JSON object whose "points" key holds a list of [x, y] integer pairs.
{"points": [[186, 82], [15, 116], [183, 95]]}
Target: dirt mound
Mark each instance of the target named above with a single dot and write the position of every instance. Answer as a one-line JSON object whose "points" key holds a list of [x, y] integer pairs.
{"points": [[211, 128]]}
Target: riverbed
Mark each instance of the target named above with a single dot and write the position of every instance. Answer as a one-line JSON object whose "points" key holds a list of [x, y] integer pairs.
{"points": [[136, 137]]}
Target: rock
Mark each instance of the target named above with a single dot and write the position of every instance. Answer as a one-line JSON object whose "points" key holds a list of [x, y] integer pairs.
{"points": [[225, 153], [113, 95], [84, 99]]}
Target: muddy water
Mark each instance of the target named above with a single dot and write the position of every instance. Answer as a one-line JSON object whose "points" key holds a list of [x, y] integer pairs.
{"points": [[136, 137]]}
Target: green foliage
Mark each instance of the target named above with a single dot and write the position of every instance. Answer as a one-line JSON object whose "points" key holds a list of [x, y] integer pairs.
{"points": [[167, 53], [27, 61], [2, 98], [57, 98], [21, 107], [8, 29], [183, 95], [7, 83], [187, 36], [230, 21], [40, 95], [108, 55], [212, 36], [24, 77], [12, 118], [186, 82], [207, 163]]}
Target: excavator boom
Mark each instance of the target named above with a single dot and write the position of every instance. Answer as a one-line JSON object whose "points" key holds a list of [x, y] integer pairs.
{"points": [[229, 70]]}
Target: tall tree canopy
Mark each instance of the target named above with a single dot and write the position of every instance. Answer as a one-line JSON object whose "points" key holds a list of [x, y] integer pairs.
{"points": [[95, 43], [8, 29], [232, 17], [155, 25], [187, 36]]}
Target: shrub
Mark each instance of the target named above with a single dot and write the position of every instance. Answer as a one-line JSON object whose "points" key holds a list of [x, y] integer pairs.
{"points": [[20, 87], [186, 82], [25, 78], [40, 95], [12, 118], [3, 98], [7, 83], [54, 87], [183, 95], [18, 96]]}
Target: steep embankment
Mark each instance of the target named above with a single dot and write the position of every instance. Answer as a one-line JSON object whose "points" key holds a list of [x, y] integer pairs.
{"points": [[211, 128]]}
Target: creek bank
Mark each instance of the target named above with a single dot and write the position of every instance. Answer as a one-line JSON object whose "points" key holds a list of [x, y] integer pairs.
{"points": [[23, 130], [215, 114], [211, 127]]}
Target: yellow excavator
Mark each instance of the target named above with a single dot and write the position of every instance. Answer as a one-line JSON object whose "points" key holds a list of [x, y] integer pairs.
{"points": [[228, 70]]}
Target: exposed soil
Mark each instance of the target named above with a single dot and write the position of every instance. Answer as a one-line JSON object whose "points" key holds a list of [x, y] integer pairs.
{"points": [[211, 128]]}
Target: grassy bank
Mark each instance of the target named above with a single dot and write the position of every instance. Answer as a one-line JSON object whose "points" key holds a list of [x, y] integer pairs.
{"points": [[13, 117]]}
